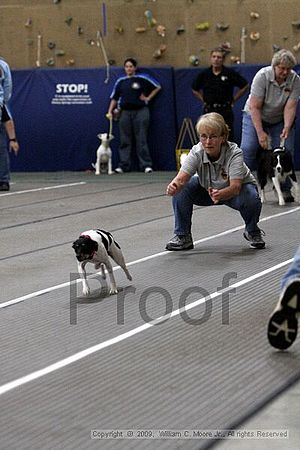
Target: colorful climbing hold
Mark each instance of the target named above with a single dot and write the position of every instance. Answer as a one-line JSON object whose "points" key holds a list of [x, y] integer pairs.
{"points": [[202, 26], [194, 60], [226, 47], [59, 52], [140, 30], [50, 62], [51, 45], [180, 30], [150, 19], [276, 48], [235, 59], [254, 35], [222, 26], [296, 24], [69, 20], [28, 22], [119, 29], [161, 30]]}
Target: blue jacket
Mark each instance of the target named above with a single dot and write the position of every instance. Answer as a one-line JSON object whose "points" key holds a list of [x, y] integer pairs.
{"points": [[5, 83]]}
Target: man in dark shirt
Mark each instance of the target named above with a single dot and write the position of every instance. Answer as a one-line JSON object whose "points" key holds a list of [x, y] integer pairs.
{"points": [[215, 87]]}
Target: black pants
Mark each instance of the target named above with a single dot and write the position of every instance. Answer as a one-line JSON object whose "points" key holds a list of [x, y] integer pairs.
{"points": [[228, 116]]}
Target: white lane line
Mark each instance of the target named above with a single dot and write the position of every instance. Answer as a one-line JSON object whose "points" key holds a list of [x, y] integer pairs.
{"points": [[47, 188], [138, 261], [121, 337]]}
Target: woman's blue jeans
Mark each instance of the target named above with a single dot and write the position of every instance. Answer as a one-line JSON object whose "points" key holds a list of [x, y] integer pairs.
{"points": [[250, 144], [293, 271], [4, 157], [247, 203]]}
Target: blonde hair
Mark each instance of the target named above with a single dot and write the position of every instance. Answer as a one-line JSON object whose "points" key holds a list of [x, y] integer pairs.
{"points": [[215, 122]]}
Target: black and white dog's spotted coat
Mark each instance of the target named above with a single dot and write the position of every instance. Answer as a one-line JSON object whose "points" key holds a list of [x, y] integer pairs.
{"points": [[276, 165], [95, 246]]}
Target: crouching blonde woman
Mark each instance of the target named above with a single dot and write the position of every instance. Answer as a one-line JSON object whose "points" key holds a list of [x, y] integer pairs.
{"points": [[222, 179]]}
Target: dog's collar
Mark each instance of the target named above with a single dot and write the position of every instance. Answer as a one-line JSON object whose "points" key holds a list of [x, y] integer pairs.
{"points": [[279, 150]]}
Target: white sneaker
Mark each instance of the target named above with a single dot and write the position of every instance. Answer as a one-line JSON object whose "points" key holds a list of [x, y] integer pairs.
{"points": [[148, 170], [119, 170]]}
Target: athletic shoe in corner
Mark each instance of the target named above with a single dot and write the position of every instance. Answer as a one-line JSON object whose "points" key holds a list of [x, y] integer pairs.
{"points": [[283, 324], [4, 186], [255, 239], [184, 242], [148, 170], [119, 170]]}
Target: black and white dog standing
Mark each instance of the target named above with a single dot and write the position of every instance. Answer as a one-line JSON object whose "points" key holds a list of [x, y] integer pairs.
{"points": [[104, 155], [95, 246], [276, 165]]}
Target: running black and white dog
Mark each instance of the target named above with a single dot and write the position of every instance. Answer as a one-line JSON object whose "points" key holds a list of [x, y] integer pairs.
{"points": [[276, 165], [95, 246]]}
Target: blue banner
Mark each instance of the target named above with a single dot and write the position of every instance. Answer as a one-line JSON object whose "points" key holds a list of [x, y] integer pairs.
{"points": [[59, 113]]}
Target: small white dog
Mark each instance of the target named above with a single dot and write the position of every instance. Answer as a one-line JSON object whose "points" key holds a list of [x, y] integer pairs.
{"points": [[95, 246], [103, 163]]}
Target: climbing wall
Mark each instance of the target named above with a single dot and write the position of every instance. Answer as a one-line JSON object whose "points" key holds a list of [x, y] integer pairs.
{"points": [[180, 33]]}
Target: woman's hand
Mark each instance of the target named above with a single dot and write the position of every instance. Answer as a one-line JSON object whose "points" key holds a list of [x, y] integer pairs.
{"points": [[263, 140], [214, 195], [172, 188], [144, 98]]}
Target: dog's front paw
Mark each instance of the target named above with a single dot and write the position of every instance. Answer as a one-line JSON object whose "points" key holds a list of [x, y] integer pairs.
{"points": [[113, 291], [262, 197], [281, 202], [86, 291]]}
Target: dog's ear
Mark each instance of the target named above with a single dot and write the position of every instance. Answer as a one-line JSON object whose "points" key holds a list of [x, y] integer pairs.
{"points": [[77, 242], [94, 245]]}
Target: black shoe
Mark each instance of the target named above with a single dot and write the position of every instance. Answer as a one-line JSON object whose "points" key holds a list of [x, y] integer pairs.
{"points": [[255, 239], [283, 324], [184, 242], [4, 186]]}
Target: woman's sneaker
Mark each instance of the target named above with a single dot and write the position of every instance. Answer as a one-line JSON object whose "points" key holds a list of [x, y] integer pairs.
{"points": [[255, 239], [118, 170], [184, 242], [283, 324]]}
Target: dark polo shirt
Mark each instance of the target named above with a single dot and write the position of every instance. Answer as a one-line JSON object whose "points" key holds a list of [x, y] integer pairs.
{"points": [[218, 89]]}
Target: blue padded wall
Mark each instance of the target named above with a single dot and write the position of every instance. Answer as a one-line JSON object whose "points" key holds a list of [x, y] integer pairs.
{"points": [[59, 112]]}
